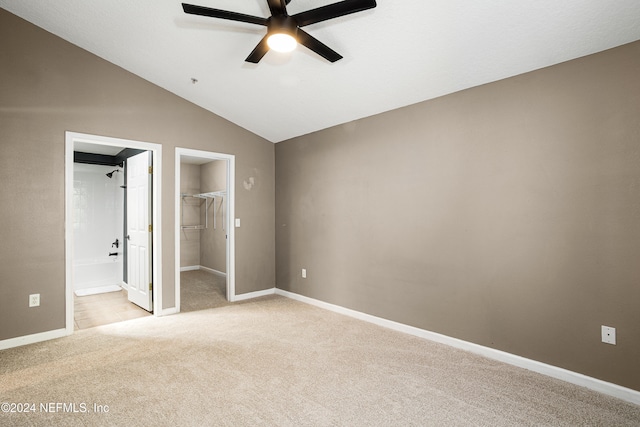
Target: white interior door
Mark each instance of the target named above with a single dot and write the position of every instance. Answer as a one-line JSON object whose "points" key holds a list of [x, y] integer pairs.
{"points": [[139, 277]]}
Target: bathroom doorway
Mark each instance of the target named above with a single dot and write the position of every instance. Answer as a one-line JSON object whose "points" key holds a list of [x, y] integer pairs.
{"points": [[100, 291], [99, 262], [205, 262]]}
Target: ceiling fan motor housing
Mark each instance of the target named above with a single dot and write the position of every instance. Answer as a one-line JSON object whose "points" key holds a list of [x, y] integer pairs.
{"points": [[281, 24]]}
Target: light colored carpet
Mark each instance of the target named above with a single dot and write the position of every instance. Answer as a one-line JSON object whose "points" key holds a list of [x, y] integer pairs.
{"points": [[201, 289], [279, 362]]}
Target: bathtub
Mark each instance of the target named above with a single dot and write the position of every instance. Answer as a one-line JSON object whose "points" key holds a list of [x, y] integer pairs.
{"points": [[97, 272]]}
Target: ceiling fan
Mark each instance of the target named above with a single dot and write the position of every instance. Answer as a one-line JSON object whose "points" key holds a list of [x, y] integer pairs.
{"points": [[283, 30]]}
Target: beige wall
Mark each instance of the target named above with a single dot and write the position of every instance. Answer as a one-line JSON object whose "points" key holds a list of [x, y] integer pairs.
{"points": [[190, 215], [47, 87], [213, 241], [507, 215]]}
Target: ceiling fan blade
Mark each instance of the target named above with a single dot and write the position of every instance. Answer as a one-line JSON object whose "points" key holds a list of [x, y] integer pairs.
{"points": [[222, 14], [334, 10], [260, 50], [277, 7], [317, 46]]}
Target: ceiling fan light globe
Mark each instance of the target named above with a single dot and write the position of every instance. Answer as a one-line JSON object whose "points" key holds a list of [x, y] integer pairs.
{"points": [[282, 42]]}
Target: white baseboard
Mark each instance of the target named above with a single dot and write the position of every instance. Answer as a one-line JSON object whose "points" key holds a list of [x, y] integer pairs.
{"points": [[211, 270], [591, 383], [256, 294], [34, 338], [202, 267]]}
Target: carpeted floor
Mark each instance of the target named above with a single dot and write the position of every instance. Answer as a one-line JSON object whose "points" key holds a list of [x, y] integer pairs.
{"points": [[278, 362], [201, 289]]}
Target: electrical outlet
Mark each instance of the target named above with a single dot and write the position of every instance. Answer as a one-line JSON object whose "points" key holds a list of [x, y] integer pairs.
{"points": [[304, 273], [34, 300], [608, 335]]}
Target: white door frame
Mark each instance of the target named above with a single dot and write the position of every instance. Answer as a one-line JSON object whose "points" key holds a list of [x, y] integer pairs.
{"points": [[231, 253], [70, 139]]}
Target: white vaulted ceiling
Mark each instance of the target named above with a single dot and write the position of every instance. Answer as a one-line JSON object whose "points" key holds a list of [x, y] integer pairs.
{"points": [[400, 53]]}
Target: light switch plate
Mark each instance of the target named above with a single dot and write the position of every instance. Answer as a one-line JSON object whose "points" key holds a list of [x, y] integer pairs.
{"points": [[237, 222]]}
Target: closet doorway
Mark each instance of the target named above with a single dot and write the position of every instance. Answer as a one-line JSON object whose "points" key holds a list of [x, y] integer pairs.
{"points": [[204, 211]]}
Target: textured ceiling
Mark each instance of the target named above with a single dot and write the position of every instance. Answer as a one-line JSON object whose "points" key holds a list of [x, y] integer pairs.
{"points": [[400, 53]]}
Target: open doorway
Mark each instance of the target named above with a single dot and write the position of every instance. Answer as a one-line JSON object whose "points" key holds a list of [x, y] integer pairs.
{"points": [[204, 203], [99, 252]]}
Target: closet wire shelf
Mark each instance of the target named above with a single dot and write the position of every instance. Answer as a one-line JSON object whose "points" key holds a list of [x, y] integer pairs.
{"points": [[206, 196]]}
